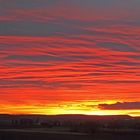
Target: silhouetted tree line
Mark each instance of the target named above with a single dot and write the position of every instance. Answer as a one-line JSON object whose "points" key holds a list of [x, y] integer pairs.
{"points": [[75, 126]]}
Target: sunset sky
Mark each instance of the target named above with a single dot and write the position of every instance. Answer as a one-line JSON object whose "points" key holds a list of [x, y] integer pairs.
{"points": [[70, 57]]}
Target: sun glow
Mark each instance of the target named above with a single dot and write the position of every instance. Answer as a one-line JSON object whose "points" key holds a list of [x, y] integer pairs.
{"points": [[83, 107]]}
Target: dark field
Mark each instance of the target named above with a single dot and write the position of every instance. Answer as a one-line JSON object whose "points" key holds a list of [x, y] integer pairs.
{"points": [[28, 135], [69, 127]]}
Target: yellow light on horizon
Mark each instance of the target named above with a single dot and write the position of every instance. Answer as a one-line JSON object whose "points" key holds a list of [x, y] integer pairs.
{"points": [[83, 107]]}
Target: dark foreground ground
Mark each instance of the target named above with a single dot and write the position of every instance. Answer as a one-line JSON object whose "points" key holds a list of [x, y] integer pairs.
{"points": [[29, 135]]}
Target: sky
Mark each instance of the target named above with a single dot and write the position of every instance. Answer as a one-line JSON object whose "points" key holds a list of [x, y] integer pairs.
{"points": [[70, 57]]}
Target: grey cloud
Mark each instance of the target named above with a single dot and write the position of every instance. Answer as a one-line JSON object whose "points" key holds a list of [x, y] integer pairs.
{"points": [[39, 58], [116, 46], [34, 28], [87, 3], [27, 3], [21, 83], [134, 56], [128, 63], [120, 106]]}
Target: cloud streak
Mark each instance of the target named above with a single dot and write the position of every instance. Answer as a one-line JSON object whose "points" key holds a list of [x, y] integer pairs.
{"points": [[121, 106]]}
